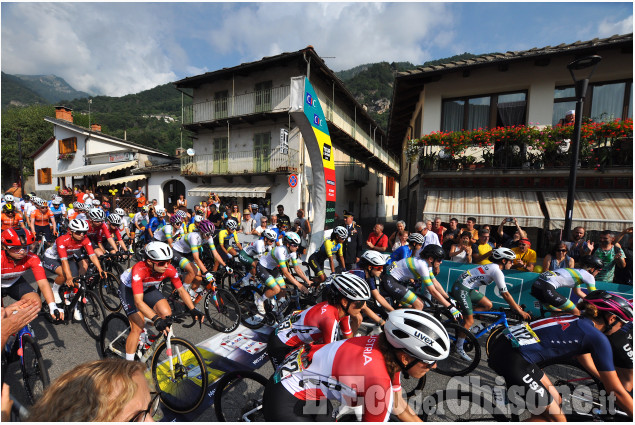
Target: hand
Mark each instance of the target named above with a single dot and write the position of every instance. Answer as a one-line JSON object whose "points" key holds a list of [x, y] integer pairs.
{"points": [[103, 274], [209, 277], [162, 325], [70, 283], [196, 314], [18, 314], [525, 315], [229, 270], [56, 314], [456, 313], [303, 289], [590, 245]]}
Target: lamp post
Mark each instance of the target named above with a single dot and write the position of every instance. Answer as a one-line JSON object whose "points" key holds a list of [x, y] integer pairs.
{"points": [[581, 86], [21, 167]]}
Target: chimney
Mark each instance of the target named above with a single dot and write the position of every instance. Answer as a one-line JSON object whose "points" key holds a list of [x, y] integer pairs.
{"points": [[64, 113], [95, 127]]}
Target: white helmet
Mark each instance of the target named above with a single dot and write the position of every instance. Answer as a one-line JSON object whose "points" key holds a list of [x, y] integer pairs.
{"points": [[231, 224], [95, 202], [114, 219], [87, 206], [78, 205], [351, 286], [39, 202], [374, 258], [341, 232], [97, 214], [500, 253], [418, 333], [292, 237], [269, 234], [416, 238], [57, 200], [158, 251], [160, 211], [198, 218], [120, 212], [8, 198], [78, 225]]}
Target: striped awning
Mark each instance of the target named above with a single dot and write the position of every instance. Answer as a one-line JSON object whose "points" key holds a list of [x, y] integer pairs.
{"points": [[487, 206], [591, 210], [96, 169], [237, 190], [122, 180]]}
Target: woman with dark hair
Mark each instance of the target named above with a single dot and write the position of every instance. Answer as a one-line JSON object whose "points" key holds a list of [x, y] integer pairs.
{"points": [[558, 258]]}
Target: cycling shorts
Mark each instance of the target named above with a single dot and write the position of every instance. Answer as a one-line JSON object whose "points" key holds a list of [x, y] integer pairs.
{"points": [[279, 405], [271, 278], [51, 264], [507, 361], [316, 264], [277, 350], [181, 260], [19, 289], [150, 296], [398, 292], [465, 297], [46, 230], [544, 292], [246, 260]]}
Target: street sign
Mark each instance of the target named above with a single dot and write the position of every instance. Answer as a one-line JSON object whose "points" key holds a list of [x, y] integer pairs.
{"points": [[293, 180]]}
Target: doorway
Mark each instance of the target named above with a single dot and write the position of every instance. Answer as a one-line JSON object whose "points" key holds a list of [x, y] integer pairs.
{"points": [[171, 192]]}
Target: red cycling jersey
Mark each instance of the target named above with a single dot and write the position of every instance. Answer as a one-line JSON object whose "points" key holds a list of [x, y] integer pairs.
{"points": [[66, 244], [116, 234], [12, 270], [140, 277], [315, 324], [345, 371], [97, 233]]}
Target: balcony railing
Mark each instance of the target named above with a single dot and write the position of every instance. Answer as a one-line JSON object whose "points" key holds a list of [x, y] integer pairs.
{"points": [[245, 162], [271, 100], [353, 172]]}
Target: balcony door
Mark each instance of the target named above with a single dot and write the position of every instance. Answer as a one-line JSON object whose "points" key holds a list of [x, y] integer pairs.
{"points": [[220, 155], [262, 95], [262, 150], [220, 104]]}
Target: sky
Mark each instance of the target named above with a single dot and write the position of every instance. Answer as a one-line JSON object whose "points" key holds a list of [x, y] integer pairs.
{"points": [[121, 48]]}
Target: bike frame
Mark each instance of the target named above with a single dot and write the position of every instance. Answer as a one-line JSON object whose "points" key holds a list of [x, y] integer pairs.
{"points": [[502, 320], [14, 348]]}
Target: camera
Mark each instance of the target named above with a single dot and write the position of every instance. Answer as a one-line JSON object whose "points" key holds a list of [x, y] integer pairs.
{"points": [[510, 220]]}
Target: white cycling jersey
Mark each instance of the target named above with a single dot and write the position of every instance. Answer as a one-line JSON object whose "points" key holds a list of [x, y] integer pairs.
{"points": [[167, 232], [482, 276], [257, 248], [412, 268], [278, 257], [568, 278], [139, 218], [191, 242]]}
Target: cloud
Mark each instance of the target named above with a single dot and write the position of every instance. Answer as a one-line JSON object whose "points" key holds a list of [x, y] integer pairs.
{"points": [[607, 27]]}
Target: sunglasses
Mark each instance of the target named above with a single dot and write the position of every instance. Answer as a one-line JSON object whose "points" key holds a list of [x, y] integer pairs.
{"points": [[161, 263], [18, 249], [428, 365], [377, 267], [79, 233], [603, 240], [561, 250], [97, 222], [358, 304], [152, 409], [294, 245]]}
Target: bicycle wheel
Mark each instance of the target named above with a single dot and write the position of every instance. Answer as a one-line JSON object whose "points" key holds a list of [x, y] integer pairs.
{"points": [[454, 364], [493, 335], [412, 386], [34, 372], [250, 317], [238, 397], [113, 336], [224, 313], [183, 386], [459, 406], [109, 292], [93, 314], [172, 296]]}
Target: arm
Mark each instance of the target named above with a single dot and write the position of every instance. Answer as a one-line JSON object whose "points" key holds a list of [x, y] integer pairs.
{"points": [[454, 253], [546, 262], [402, 409], [381, 300], [53, 226], [218, 258], [612, 384], [112, 243], [477, 256], [307, 227], [500, 228], [571, 263], [508, 298], [300, 273], [371, 314], [522, 233], [620, 261], [199, 262]]}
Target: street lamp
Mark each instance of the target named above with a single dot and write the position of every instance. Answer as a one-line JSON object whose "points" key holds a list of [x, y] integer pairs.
{"points": [[581, 86]]}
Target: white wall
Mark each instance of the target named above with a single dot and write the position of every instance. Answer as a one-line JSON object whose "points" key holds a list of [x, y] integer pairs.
{"points": [[96, 146], [156, 186], [46, 159]]}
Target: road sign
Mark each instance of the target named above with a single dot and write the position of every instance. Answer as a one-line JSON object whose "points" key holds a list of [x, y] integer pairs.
{"points": [[293, 180]]}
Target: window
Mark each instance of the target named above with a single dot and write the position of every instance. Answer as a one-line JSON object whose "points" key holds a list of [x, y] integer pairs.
{"points": [[390, 186], [220, 155], [44, 176], [484, 111], [605, 101], [68, 145], [263, 96], [220, 104]]}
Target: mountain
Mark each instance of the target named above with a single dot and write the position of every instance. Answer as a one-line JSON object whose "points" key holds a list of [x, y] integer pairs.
{"points": [[16, 93], [51, 88]]}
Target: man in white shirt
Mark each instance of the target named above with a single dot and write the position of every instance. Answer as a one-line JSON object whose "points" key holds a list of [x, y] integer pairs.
{"points": [[248, 225], [262, 226], [429, 237]]}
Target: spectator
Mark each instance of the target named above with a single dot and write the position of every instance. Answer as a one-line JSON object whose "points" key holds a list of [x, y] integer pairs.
{"points": [[578, 247], [181, 202], [396, 235], [126, 191], [256, 213], [152, 210], [141, 201], [262, 226], [274, 222], [352, 244], [504, 240], [80, 195], [611, 254], [525, 256], [302, 227], [14, 190], [482, 249], [109, 390], [569, 118], [558, 258], [462, 252], [16, 316], [470, 223], [235, 213], [452, 236], [377, 240], [625, 275], [281, 214], [214, 216], [248, 225], [430, 238], [403, 241], [213, 199], [438, 228]]}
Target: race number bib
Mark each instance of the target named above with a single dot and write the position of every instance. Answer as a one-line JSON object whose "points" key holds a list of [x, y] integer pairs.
{"points": [[546, 275], [521, 335], [296, 361]]}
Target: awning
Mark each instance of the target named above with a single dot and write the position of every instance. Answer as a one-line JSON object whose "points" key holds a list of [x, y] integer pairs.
{"points": [[487, 206], [591, 210], [96, 169], [122, 180], [237, 190]]}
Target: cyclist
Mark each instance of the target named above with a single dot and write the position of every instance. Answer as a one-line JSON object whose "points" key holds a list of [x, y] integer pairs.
{"points": [[140, 221], [365, 369], [98, 230], [9, 199], [566, 336], [281, 229], [170, 232], [56, 258], [11, 219], [330, 247], [346, 296], [372, 266], [187, 256], [42, 221], [77, 211], [465, 290], [28, 206], [58, 209], [196, 218], [114, 223], [141, 298], [222, 240], [155, 223], [415, 242], [16, 260], [124, 227], [250, 254], [272, 270], [622, 344], [544, 288]]}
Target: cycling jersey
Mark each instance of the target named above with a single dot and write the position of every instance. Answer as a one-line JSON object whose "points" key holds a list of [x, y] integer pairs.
{"points": [[13, 270], [155, 224], [124, 224], [622, 345], [399, 254], [278, 257], [60, 210], [257, 248], [482, 276], [412, 268], [167, 232], [191, 242], [11, 222], [97, 233], [315, 324], [116, 235], [27, 209], [328, 249], [66, 245], [568, 278], [141, 277], [140, 219], [41, 218], [223, 237]]}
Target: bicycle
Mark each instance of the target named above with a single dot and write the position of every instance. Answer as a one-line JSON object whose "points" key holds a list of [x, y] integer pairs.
{"points": [[177, 367], [41, 244], [275, 310]]}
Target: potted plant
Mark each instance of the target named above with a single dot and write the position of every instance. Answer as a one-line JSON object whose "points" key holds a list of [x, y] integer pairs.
{"points": [[469, 162]]}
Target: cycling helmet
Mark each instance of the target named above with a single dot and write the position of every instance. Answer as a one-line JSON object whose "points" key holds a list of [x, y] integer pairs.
{"points": [[78, 205], [341, 232], [158, 251], [114, 219], [198, 218], [39, 202], [374, 258], [206, 227], [351, 286], [592, 262], [613, 303], [503, 253], [231, 224], [145, 208], [9, 198], [416, 238], [434, 251], [181, 214], [292, 237], [56, 201], [160, 211], [120, 212], [78, 225], [94, 201], [97, 214], [269, 234], [8, 208], [417, 333], [17, 237], [175, 219]]}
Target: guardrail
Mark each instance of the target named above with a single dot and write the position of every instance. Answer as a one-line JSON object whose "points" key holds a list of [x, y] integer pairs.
{"points": [[243, 162]]}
